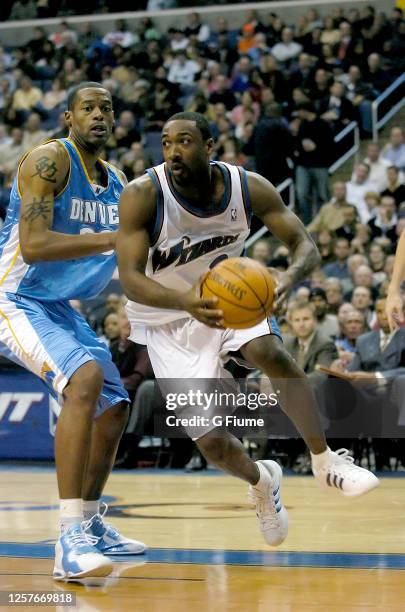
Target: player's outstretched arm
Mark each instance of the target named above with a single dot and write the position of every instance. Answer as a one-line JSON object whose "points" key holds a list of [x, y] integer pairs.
{"points": [[287, 227], [43, 174], [137, 214], [394, 306]]}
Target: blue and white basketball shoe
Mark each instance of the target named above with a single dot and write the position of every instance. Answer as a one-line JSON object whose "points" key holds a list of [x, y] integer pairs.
{"points": [[108, 540], [76, 556], [272, 515]]}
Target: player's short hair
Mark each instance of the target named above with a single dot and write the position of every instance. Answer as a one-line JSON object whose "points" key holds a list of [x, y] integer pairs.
{"points": [[71, 95], [199, 119]]}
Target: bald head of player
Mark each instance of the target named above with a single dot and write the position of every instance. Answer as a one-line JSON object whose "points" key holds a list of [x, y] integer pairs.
{"points": [[187, 148], [89, 115]]}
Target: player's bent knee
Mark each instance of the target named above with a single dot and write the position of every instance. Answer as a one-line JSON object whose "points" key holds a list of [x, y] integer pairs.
{"points": [[86, 383], [267, 351]]}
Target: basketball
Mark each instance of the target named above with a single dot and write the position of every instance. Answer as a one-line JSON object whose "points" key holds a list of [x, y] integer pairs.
{"points": [[245, 290]]}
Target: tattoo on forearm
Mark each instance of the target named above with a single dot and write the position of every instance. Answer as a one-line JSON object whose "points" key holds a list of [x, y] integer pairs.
{"points": [[46, 169], [37, 208]]}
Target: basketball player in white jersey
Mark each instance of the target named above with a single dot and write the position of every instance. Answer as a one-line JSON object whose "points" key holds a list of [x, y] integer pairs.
{"points": [[177, 221], [394, 306]]}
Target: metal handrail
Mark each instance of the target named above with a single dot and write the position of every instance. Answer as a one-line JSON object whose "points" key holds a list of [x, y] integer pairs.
{"points": [[353, 126], [378, 123], [289, 183]]}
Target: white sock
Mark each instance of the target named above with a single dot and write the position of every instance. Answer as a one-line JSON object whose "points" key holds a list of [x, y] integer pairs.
{"points": [[264, 477], [319, 460], [90, 508], [70, 512]]}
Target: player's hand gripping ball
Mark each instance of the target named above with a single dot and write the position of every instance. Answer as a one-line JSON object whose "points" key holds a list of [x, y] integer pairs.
{"points": [[245, 289]]}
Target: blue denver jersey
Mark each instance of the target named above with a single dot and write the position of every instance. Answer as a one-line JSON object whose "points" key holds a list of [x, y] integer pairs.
{"points": [[77, 210]]}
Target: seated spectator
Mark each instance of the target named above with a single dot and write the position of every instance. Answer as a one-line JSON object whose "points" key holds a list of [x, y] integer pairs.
{"points": [[241, 79], [327, 324], [352, 325], [385, 221], [120, 36], [321, 85], [394, 151], [361, 240], [110, 328], [222, 93], [350, 221], [395, 187], [62, 35], [334, 294], [10, 153], [26, 96], [261, 251], [357, 188], [130, 358], [336, 108], [377, 259], [363, 277], [330, 34], [287, 49], [306, 344], [375, 74], [182, 70], [302, 74], [33, 134], [195, 27], [362, 300], [379, 362], [332, 215], [54, 97], [361, 96], [247, 103], [247, 40], [378, 167], [346, 47], [325, 244], [338, 268]]}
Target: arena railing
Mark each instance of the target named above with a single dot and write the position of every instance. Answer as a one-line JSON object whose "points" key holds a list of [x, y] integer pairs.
{"points": [[339, 138], [393, 90], [289, 183]]}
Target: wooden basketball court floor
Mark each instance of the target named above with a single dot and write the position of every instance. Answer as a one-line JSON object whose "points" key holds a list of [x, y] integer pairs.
{"points": [[206, 553]]}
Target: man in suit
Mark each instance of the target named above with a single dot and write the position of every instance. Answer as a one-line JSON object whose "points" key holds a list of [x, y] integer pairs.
{"points": [[378, 378], [307, 345]]}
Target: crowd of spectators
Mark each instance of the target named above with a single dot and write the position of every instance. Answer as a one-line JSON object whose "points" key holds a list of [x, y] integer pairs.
{"points": [[275, 94]]}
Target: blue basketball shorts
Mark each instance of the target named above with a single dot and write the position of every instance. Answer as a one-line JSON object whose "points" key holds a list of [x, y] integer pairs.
{"points": [[53, 341]]}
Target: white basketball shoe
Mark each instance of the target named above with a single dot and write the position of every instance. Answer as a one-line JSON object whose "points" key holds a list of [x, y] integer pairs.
{"points": [[76, 557], [338, 471], [108, 540], [272, 516]]}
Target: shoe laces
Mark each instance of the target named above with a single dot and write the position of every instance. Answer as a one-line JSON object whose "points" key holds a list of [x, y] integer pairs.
{"points": [[100, 516], [82, 538], [343, 456], [268, 519]]}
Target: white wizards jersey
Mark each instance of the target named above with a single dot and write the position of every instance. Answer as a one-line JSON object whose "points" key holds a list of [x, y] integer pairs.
{"points": [[186, 241]]}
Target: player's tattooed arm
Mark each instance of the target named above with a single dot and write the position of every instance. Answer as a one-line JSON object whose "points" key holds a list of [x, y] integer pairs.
{"points": [[42, 176], [287, 227], [46, 169], [38, 208]]}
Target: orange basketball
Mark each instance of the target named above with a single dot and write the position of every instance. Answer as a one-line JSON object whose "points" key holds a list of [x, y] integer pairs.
{"points": [[245, 290]]}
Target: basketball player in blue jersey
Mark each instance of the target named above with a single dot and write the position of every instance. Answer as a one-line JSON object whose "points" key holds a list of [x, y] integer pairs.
{"points": [[57, 244], [177, 221]]}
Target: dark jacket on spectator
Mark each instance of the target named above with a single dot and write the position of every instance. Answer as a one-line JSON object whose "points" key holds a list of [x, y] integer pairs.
{"points": [[321, 134]]}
